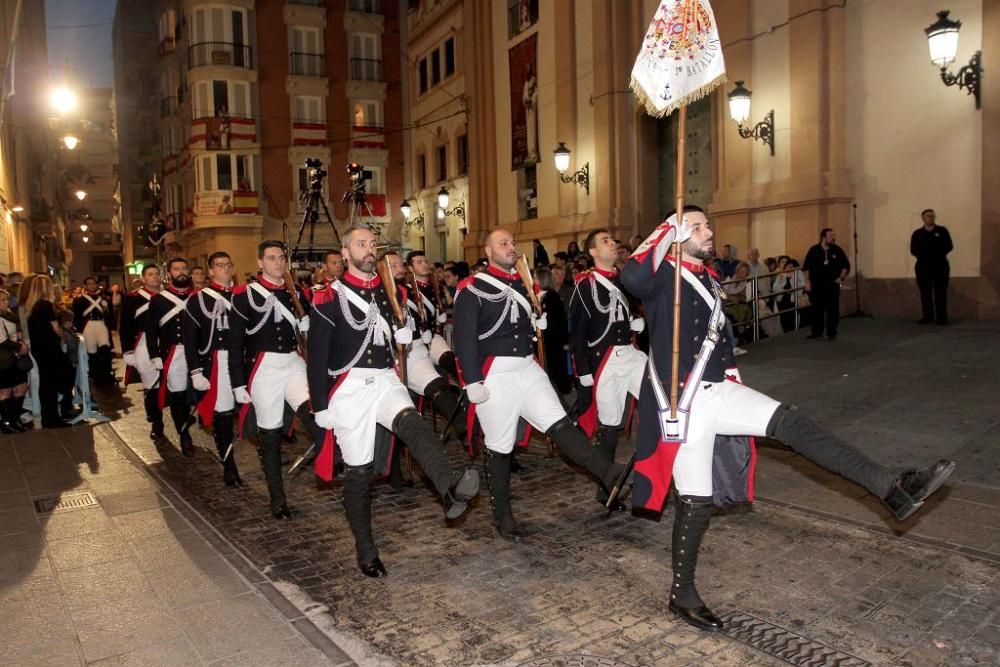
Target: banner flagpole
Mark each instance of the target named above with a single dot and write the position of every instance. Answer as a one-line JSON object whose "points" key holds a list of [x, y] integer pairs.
{"points": [[675, 353]]}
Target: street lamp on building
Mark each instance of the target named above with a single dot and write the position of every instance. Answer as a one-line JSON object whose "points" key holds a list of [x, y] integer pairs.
{"points": [[17, 209], [443, 200], [63, 100], [70, 141], [581, 177], [739, 111], [942, 40], [80, 194], [407, 210]]}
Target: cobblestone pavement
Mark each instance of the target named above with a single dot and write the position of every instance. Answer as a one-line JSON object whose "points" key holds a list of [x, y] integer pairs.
{"points": [[583, 584]]}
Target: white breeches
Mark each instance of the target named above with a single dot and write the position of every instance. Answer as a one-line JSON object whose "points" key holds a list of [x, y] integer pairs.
{"points": [[280, 378], [621, 375], [518, 388], [177, 373], [95, 334], [367, 397]]}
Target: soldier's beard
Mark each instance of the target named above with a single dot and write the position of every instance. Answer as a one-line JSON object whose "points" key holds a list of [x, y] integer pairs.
{"points": [[504, 263], [365, 264], [181, 282], [692, 249]]}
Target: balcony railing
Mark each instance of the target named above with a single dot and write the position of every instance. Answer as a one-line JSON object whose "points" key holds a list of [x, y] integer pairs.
{"points": [[167, 106], [366, 6], [308, 64], [220, 53], [366, 69]]}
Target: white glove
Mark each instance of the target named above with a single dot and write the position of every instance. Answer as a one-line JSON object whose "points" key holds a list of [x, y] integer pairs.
{"points": [[477, 392], [324, 418], [540, 322], [442, 317], [427, 336], [200, 382], [638, 324], [681, 232], [157, 363], [403, 336], [304, 324], [734, 375], [129, 358], [241, 395], [587, 380]]}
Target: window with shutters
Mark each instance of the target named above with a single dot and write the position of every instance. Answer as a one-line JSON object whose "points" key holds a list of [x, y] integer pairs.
{"points": [[367, 113], [308, 109]]}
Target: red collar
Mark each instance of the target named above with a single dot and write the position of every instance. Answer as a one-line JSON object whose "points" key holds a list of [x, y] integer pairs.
{"points": [[146, 290], [500, 273], [607, 274], [267, 283], [170, 288], [421, 283], [219, 288], [695, 268], [352, 279]]}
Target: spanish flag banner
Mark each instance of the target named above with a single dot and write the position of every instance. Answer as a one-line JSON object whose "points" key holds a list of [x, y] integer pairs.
{"points": [[681, 57]]}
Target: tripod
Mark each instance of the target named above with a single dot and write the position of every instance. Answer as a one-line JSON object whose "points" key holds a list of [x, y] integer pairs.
{"points": [[314, 202], [858, 312], [359, 206]]}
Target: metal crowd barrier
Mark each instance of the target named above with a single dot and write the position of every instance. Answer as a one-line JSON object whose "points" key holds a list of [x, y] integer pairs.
{"points": [[756, 295]]}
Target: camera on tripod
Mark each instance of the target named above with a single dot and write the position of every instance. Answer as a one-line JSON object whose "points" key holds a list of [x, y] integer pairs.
{"points": [[315, 174]]}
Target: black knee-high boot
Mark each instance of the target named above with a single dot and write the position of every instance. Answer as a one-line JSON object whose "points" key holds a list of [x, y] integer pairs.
{"points": [[358, 506], [690, 524], [427, 450], [447, 362], [574, 444], [497, 467], [179, 413], [19, 411], [396, 478], [223, 432], [105, 372], [902, 491], [607, 443], [445, 397], [153, 414], [269, 451], [6, 418]]}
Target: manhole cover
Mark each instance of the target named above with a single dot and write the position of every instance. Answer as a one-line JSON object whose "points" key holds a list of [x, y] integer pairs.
{"points": [[579, 660], [70, 501], [785, 644]]}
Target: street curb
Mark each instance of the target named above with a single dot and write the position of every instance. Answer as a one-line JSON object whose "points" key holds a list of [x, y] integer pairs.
{"points": [[885, 531], [238, 561]]}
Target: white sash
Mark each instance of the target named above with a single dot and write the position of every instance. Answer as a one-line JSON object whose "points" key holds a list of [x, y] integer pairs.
{"points": [[523, 302], [287, 314], [173, 312], [144, 307], [93, 304], [215, 295], [363, 306]]}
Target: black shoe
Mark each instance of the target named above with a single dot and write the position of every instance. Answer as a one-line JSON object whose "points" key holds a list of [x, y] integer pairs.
{"points": [[456, 503], [7, 428], [511, 532], [924, 320], [187, 445], [813, 336], [282, 513], [700, 617], [913, 487], [156, 433], [374, 569]]}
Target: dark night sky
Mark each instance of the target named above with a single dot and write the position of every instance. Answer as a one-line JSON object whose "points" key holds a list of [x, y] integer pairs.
{"points": [[87, 48]]}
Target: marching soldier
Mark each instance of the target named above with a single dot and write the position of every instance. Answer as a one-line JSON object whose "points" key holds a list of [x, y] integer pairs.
{"points": [[135, 312], [430, 316], [494, 325], [91, 315], [358, 396], [332, 269], [266, 368], [607, 363], [165, 343], [206, 333], [714, 403]]}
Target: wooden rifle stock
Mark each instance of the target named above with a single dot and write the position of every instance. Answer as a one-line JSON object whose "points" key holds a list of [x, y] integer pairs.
{"points": [[389, 285], [436, 286], [300, 312], [524, 270]]}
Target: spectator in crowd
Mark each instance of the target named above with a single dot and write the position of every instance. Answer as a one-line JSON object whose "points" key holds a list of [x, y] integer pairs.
{"points": [[13, 376], [55, 373], [562, 284], [479, 266], [541, 254], [772, 264], [825, 268], [198, 277], [782, 287], [623, 254], [454, 274], [737, 308], [727, 262], [556, 337], [70, 338], [14, 281], [573, 251], [635, 242], [753, 261], [931, 244]]}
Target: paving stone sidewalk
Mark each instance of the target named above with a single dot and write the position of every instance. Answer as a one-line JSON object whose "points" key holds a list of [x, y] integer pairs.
{"points": [[101, 565], [585, 585]]}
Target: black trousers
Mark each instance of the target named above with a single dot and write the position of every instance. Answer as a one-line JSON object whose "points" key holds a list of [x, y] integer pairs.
{"points": [[55, 376], [825, 300], [933, 283]]}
